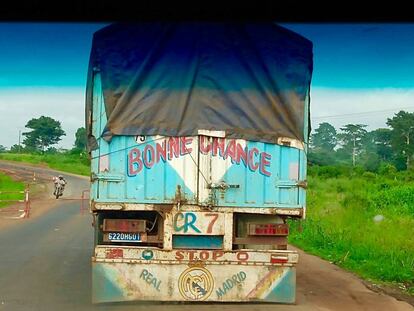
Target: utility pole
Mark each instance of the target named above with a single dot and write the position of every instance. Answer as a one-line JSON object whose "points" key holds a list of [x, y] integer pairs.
{"points": [[407, 141], [19, 139], [354, 152]]}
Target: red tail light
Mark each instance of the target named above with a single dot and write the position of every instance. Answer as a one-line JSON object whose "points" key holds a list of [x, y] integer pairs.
{"points": [[268, 229], [278, 259], [124, 225]]}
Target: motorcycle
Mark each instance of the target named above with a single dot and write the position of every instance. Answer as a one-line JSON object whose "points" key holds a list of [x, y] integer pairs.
{"points": [[59, 190]]}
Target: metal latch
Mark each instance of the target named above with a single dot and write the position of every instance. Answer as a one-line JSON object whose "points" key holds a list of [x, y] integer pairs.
{"points": [[302, 184], [107, 177], [292, 183], [221, 185]]}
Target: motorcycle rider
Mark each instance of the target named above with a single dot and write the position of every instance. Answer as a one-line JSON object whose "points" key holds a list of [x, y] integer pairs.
{"points": [[59, 181]]}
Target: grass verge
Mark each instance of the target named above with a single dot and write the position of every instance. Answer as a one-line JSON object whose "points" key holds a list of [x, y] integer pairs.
{"points": [[71, 163], [362, 223], [8, 184]]}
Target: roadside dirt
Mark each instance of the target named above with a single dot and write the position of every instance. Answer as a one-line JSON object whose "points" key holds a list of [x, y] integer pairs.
{"points": [[398, 294], [327, 286]]}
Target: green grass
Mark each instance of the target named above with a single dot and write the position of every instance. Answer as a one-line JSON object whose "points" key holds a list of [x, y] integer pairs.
{"points": [[8, 184], [71, 163], [340, 226]]}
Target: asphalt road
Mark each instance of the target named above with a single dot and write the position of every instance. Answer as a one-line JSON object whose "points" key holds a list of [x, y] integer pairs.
{"points": [[45, 264]]}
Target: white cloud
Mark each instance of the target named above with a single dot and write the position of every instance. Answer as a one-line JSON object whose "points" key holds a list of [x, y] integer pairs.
{"points": [[338, 103], [19, 105]]}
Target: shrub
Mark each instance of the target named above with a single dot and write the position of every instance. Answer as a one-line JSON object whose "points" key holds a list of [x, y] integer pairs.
{"points": [[369, 175], [329, 171], [387, 169]]}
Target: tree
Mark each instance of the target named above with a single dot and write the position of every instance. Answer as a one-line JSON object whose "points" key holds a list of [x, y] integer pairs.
{"points": [[351, 139], [80, 138], [376, 149], [324, 137], [2, 148], [45, 132], [402, 134], [15, 148], [382, 140]]}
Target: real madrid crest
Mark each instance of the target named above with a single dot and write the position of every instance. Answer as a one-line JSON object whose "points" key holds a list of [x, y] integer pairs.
{"points": [[196, 282]]}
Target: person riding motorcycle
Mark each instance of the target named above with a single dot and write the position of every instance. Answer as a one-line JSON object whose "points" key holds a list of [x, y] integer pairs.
{"points": [[59, 181]]}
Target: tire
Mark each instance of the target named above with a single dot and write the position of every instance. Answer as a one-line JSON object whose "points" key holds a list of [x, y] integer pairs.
{"points": [[58, 193]]}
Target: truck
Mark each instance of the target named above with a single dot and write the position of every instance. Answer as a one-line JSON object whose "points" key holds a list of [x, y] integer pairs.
{"points": [[197, 135]]}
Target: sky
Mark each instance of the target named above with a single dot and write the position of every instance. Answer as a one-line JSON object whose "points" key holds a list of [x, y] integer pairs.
{"points": [[43, 70], [363, 73]]}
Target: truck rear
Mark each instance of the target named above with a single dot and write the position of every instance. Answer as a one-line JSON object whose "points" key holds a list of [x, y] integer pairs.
{"points": [[197, 135]]}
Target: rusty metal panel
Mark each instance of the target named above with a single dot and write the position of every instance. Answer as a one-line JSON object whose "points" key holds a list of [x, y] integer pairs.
{"points": [[124, 225], [185, 207], [261, 240], [191, 281], [131, 254]]}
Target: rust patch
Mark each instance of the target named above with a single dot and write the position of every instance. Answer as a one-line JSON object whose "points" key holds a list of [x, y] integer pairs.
{"points": [[114, 253]]}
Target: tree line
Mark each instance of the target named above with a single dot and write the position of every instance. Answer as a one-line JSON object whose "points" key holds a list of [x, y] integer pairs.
{"points": [[44, 132], [354, 145]]}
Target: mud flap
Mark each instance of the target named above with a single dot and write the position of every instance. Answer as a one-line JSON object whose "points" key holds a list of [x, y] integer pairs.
{"points": [[121, 281]]}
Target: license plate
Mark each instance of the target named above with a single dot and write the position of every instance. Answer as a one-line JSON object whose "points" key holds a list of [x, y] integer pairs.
{"points": [[124, 237]]}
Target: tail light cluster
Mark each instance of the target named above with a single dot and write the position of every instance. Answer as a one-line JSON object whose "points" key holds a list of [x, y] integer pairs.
{"points": [[268, 229], [278, 259], [124, 225]]}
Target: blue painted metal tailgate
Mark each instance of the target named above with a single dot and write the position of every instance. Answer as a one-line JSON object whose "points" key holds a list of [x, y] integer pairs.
{"points": [[203, 169]]}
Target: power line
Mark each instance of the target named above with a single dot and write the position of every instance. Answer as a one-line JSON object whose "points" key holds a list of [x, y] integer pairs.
{"points": [[359, 113]]}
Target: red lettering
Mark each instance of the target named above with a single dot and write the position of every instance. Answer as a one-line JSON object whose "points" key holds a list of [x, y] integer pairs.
{"points": [[217, 254], [218, 143], [134, 160], [204, 255], [213, 220], [149, 158], [204, 149], [241, 153], [231, 150], [114, 253], [161, 151], [173, 147], [183, 148], [179, 255], [191, 255], [263, 163], [242, 256], [253, 166]]}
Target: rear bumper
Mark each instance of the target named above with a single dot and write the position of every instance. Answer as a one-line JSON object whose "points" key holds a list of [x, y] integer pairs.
{"points": [[129, 273]]}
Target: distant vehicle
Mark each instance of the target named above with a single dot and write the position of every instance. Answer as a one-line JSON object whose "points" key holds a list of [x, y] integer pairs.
{"points": [[197, 134]]}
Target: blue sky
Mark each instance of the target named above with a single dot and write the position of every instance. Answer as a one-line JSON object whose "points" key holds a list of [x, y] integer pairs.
{"points": [[44, 54], [357, 68], [361, 56]]}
